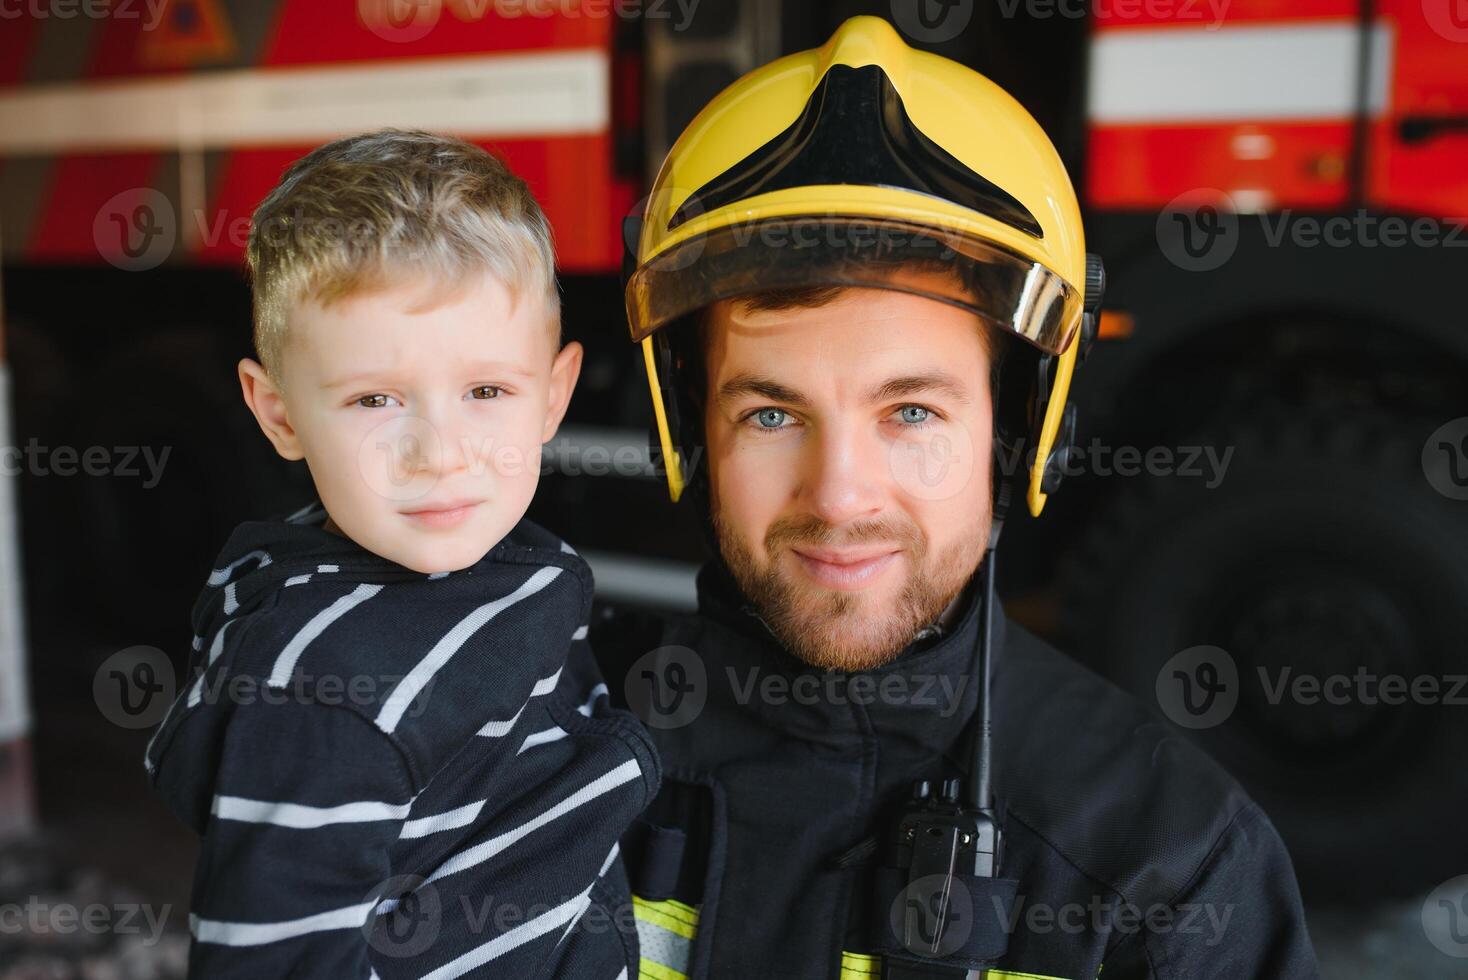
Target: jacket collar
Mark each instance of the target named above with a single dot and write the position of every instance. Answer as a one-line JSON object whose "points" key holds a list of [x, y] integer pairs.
{"points": [[927, 693]]}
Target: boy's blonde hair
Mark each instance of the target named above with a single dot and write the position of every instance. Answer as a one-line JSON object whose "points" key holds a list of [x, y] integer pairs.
{"points": [[367, 211]]}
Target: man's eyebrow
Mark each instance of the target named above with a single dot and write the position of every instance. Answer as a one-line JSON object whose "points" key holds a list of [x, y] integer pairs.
{"points": [[750, 384], [917, 384]]}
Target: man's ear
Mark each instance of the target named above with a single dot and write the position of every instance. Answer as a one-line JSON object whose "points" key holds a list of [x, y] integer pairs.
{"points": [[564, 371], [265, 401]]}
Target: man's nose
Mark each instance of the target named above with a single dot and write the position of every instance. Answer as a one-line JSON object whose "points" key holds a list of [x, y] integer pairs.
{"points": [[845, 475]]}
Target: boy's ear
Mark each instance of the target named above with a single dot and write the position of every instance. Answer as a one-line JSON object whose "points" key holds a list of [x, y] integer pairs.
{"points": [[265, 401], [564, 371]]}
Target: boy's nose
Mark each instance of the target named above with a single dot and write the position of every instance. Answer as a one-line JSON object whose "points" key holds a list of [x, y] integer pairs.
{"points": [[459, 446], [421, 444]]}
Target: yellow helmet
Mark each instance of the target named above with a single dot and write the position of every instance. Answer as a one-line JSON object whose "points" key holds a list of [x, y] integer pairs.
{"points": [[831, 167]]}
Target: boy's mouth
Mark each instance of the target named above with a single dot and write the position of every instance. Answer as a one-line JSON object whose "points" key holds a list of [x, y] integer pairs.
{"points": [[448, 514]]}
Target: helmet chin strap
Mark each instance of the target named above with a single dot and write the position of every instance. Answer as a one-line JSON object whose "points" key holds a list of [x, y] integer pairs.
{"points": [[980, 781], [1003, 493]]}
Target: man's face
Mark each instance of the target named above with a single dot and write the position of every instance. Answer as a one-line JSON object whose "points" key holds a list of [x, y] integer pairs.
{"points": [[849, 453]]}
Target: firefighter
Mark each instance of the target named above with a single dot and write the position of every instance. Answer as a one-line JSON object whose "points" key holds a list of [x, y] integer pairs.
{"points": [[861, 291]]}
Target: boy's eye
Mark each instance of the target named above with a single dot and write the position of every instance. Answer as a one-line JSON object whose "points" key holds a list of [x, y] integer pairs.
{"points": [[375, 401], [487, 391], [914, 414]]}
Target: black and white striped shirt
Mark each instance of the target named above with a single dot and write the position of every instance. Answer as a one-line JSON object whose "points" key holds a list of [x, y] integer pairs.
{"points": [[401, 775]]}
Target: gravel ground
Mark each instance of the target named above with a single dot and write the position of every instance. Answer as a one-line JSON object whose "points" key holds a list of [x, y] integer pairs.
{"points": [[122, 941], [63, 922]]}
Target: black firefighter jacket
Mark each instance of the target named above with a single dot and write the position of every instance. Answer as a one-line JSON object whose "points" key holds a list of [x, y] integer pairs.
{"points": [[1135, 855]]}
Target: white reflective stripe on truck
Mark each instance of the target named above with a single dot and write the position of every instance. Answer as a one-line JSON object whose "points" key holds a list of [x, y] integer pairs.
{"points": [[522, 94], [1269, 71], [15, 720]]}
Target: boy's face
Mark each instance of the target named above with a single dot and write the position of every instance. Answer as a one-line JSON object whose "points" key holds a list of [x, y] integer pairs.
{"points": [[420, 415]]}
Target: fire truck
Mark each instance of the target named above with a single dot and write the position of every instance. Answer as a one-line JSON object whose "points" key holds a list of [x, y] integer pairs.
{"points": [[1271, 457]]}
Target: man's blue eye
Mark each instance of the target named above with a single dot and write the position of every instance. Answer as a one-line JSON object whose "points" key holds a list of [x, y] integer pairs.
{"points": [[770, 418], [914, 414]]}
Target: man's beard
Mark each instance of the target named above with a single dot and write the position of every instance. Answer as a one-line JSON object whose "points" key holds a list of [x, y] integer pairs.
{"points": [[840, 630]]}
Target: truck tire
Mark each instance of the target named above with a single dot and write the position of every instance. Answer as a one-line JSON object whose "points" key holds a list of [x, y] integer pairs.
{"points": [[1324, 551]]}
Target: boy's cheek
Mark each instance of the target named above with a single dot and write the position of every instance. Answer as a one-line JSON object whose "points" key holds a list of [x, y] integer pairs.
{"points": [[522, 461], [509, 449]]}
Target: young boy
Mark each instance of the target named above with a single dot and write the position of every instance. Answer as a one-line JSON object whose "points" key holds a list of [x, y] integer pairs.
{"points": [[397, 749]]}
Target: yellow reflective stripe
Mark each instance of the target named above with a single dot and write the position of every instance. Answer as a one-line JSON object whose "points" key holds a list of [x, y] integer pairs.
{"points": [[671, 915], [669, 927], [648, 970], [665, 931], [859, 966]]}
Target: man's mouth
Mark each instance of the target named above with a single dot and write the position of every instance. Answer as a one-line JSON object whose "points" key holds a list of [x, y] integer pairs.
{"points": [[450, 513], [846, 569]]}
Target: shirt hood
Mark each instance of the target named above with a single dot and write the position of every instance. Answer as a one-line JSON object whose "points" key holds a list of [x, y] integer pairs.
{"points": [[262, 556]]}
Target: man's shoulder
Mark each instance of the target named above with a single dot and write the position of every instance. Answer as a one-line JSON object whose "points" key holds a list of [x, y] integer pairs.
{"points": [[1103, 780]]}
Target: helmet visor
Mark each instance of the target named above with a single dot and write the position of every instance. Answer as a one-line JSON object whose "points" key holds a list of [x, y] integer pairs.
{"points": [[1012, 292]]}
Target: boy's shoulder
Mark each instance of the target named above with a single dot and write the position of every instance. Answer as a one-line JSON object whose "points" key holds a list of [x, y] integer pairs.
{"points": [[530, 538], [429, 661]]}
